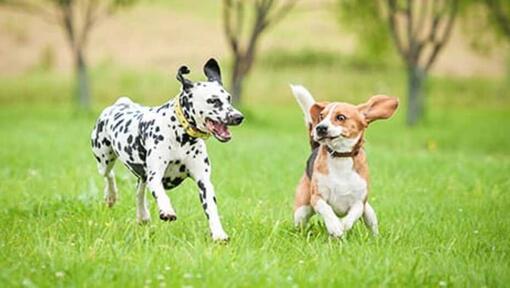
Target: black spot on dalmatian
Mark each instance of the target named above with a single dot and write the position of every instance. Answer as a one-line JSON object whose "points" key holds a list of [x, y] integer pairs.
{"points": [[129, 151], [203, 197], [206, 160], [138, 146], [137, 169], [216, 102], [117, 124], [106, 142], [169, 183], [100, 126], [127, 126], [186, 139], [130, 139], [164, 107], [201, 186]]}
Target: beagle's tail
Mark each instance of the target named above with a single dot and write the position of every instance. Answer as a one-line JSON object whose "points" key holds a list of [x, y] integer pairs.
{"points": [[305, 101]]}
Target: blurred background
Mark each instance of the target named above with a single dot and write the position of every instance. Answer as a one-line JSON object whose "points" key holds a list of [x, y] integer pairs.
{"points": [[338, 49]]}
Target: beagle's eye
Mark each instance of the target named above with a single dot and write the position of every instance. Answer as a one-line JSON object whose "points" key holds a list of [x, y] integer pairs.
{"points": [[341, 117]]}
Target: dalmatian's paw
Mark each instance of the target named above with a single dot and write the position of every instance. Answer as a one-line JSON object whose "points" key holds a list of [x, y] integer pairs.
{"points": [[110, 200], [167, 216], [220, 236], [143, 219]]}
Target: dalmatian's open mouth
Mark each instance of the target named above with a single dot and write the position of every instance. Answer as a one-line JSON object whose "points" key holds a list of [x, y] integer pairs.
{"points": [[218, 129]]}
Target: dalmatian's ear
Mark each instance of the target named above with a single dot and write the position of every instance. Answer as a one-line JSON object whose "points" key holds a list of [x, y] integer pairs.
{"points": [[186, 83], [212, 71]]}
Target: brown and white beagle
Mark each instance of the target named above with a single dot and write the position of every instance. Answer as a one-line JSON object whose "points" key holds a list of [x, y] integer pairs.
{"points": [[335, 182]]}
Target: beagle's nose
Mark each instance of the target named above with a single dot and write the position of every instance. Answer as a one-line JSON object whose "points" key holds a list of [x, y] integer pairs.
{"points": [[321, 130], [235, 119]]}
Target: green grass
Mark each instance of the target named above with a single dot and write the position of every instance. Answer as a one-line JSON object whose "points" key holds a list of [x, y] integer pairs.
{"points": [[440, 191]]}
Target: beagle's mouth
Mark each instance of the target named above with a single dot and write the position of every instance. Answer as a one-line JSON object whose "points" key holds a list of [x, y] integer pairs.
{"points": [[218, 129], [323, 138], [327, 137]]}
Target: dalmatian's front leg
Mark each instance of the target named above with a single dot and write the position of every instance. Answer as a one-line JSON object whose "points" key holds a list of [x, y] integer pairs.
{"points": [[201, 174], [155, 173]]}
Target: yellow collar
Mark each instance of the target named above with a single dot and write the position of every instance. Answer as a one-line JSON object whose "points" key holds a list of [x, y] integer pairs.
{"points": [[190, 130]]}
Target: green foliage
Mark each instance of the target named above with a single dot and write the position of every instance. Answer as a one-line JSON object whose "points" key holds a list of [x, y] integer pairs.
{"points": [[480, 24], [371, 29], [499, 11]]}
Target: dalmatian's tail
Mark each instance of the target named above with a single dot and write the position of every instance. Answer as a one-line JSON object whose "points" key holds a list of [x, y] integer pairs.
{"points": [[305, 101], [124, 100]]}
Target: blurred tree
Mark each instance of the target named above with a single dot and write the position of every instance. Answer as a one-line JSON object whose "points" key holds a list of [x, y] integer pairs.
{"points": [[236, 15], [419, 29], [77, 18], [500, 10]]}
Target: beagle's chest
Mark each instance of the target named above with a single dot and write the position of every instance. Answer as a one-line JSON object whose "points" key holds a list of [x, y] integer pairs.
{"points": [[342, 186]]}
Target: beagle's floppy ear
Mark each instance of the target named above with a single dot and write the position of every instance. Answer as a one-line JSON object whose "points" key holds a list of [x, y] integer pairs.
{"points": [[186, 83], [212, 71], [378, 107], [315, 111]]}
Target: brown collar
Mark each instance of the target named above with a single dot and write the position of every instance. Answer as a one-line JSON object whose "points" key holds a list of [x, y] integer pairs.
{"points": [[352, 154]]}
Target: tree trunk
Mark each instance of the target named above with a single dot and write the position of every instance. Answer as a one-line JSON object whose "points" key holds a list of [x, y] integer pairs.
{"points": [[237, 81], [82, 81], [416, 99]]}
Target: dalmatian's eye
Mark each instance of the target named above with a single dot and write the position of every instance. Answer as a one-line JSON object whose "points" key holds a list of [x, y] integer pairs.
{"points": [[215, 101], [341, 117]]}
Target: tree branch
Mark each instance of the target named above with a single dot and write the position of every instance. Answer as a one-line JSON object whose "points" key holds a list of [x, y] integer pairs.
{"points": [[232, 37], [392, 19], [439, 43], [282, 12], [423, 9]]}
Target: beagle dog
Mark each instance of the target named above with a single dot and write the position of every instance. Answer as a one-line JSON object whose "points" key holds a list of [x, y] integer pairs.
{"points": [[335, 183]]}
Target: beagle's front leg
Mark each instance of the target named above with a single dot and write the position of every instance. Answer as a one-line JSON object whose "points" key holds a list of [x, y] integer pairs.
{"points": [[333, 224], [353, 215]]}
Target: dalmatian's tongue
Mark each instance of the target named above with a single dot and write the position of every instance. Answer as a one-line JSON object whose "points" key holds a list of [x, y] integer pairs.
{"points": [[219, 130]]}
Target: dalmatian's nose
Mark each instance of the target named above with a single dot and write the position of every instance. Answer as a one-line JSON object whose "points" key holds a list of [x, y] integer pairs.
{"points": [[235, 119]]}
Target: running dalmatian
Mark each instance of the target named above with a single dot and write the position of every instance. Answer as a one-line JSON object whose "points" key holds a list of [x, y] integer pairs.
{"points": [[164, 145]]}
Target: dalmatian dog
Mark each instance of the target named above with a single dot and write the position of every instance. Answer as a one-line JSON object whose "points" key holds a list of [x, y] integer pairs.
{"points": [[164, 145]]}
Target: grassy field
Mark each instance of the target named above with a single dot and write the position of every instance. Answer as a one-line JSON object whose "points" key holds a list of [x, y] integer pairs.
{"points": [[440, 191]]}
